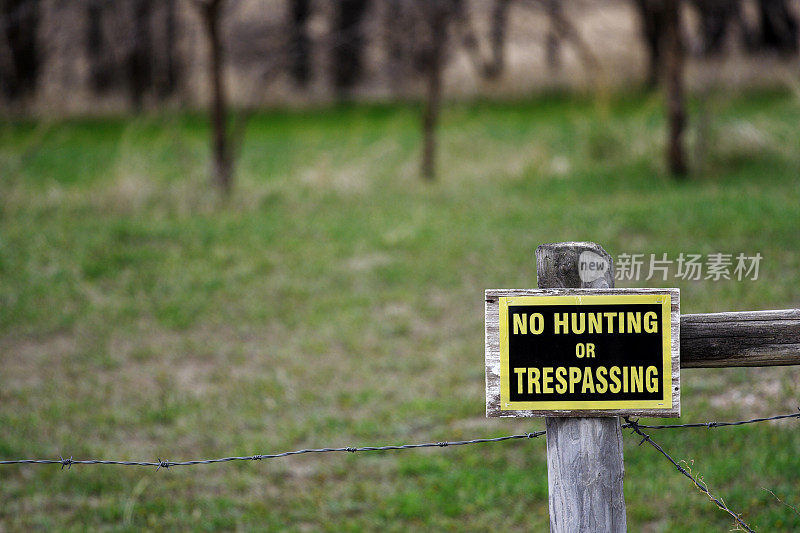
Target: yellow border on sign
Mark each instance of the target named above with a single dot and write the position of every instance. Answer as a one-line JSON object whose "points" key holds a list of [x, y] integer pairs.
{"points": [[599, 299]]}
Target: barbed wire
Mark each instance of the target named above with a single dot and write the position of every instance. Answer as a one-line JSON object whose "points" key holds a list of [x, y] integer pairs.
{"points": [[352, 449], [637, 428], [709, 425], [629, 423], [633, 424]]}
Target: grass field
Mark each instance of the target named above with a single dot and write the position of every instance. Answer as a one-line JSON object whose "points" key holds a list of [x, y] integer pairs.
{"points": [[336, 299]]}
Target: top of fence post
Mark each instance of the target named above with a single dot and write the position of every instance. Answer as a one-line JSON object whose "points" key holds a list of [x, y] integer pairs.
{"points": [[557, 265]]}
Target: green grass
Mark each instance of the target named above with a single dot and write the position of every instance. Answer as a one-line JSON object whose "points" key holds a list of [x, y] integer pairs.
{"points": [[336, 299]]}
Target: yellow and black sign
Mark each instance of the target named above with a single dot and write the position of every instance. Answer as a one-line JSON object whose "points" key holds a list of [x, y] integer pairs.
{"points": [[578, 352]]}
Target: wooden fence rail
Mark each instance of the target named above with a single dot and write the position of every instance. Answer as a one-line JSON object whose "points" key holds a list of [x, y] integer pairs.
{"points": [[748, 338]]}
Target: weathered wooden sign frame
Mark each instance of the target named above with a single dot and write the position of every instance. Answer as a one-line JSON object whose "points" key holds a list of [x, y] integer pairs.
{"points": [[497, 396]]}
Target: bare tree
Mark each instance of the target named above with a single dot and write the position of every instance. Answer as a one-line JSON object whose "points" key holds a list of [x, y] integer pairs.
{"points": [[663, 35], [495, 66], [674, 78], [299, 42], [210, 12], [99, 75], [139, 67], [560, 27], [20, 61], [144, 60], [561, 24], [779, 27], [397, 43], [553, 41], [652, 20], [167, 78], [716, 18], [348, 43], [435, 16], [490, 67]]}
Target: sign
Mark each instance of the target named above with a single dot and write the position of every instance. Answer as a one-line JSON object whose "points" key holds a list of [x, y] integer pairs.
{"points": [[583, 352]]}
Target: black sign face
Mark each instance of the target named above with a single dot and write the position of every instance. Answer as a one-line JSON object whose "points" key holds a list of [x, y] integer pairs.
{"points": [[586, 352]]}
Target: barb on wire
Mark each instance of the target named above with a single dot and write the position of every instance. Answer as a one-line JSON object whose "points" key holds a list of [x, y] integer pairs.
{"points": [[159, 464], [711, 425], [634, 425]]}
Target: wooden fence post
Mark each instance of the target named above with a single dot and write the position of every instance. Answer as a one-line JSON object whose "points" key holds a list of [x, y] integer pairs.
{"points": [[584, 455]]}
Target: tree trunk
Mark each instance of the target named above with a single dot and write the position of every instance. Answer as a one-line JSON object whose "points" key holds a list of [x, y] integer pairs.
{"points": [[348, 44], [716, 17], [778, 26], [223, 171], [170, 69], [299, 43], [433, 72], [566, 29], [652, 20], [99, 77], [674, 74], [553, 40], [496, 64], [140, 57], [396, 42], [19, 22]]}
